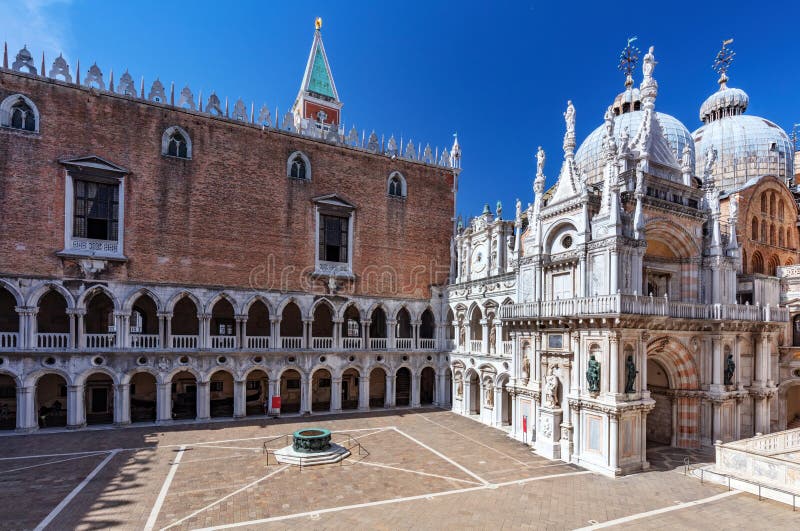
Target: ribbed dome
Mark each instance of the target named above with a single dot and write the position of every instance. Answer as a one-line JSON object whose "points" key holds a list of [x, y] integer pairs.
{"points": [[746, 146], [725, 102], [589, 156]]}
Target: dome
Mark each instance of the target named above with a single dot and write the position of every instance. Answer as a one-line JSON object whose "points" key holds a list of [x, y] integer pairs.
{"points": [[746, 146], [589, 155], [725, 102]]}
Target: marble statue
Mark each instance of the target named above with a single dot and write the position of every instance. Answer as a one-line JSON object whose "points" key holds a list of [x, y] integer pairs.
{"points": [[734, 206], [518, 216], [489, 396], [526, 368], [540, 159], [711, 157], [730, 368], [461, 331], [569, 117], [593, 374], [459, 387], [630, 375], [649, 63], [551, 389]]}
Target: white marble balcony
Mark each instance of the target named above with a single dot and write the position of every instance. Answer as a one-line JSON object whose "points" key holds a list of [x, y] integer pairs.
{"points": [[223, 342], [291, 342], [404, 343], [507, 348], [427, 344], [322, 343], [351, 343], [100, 341], [184, 341], [257, 342], [9, 340], [475, 345], [145, 341], [378, 343], [52, 340]]}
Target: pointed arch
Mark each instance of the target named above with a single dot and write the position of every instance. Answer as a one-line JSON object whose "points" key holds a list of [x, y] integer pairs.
{"points": [[170, 306], [209, 307], [298, 166], [176, 142], [258, 298], [134, 296], [86, 297], [18, 111]]}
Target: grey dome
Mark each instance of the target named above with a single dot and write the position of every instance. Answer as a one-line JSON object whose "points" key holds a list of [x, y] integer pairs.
{"points": [[747, 147], [589, 155], [724, 102]]}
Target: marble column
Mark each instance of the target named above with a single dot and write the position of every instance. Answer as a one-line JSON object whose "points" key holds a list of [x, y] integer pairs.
{"points": [[363, 393], [336, 394], [389, 392], [484, 336], [122, 404], [239, 399], [203, 401], [415, 384], [26, 409], [164, 402], [305, 394], [76, 411]]}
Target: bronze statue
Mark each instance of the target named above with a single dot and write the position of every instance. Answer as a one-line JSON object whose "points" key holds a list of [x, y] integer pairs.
{"points": [[730, 367], [630, 375], [593, 374]]}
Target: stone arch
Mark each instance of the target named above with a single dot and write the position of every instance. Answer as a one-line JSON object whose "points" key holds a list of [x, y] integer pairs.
{"points": [[170, 306], [396, 185], [258, 298], [757, 263], [674, 237], [81, 378], [427, 384], [7, 111], [789, 404], [51, 401], [86, 297], [217, 297], [772, 265], [298, 166], [175, 149], [42, 290], [169, 375], [347, 305], [20, 300], [557, 232], [131, 298], [283, 303], [128, 376]]}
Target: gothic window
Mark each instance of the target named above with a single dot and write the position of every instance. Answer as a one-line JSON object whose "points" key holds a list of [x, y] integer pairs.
{"points": [[397, 185], [175, 142], [780, 238], [96, 210], [764, 203], [758, 263], [764, 231], [754, 230], [19, 112], [333, 237], [780, 210], [299, 167], [772, 235]]}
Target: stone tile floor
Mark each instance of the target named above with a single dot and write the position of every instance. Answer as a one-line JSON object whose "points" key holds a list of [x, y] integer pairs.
{"points": [[421, 469]]}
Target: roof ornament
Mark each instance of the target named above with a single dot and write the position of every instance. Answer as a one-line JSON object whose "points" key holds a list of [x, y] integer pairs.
{"points": [[24, 60], [94, 78], [60, 68], [157, 93], [722, 62], [239, 111], [649, 88], [187, 98], [126, 85], [628, 59], [318, 24], [264, 117], [540, 159], [569, 136], [214, 105]]}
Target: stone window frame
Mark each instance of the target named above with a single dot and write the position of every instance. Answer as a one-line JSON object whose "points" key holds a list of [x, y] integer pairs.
{"points": [[101, 171], [5, 113], [306, 161], [167, 136], [333, 205], [403, 185]]}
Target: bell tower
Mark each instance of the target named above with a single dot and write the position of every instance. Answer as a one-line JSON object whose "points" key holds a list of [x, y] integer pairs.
{"points": [[318, 101]]}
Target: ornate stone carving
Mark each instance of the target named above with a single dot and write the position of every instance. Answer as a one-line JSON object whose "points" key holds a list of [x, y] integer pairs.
{"points": [[60, 68], [593, 374], [214, 105], [264, 117], [630, 375], [157, 93], [24, 60], [126, 85], [547, 427], [239, 111], [94, 78], [551, 389], [187, 98]]}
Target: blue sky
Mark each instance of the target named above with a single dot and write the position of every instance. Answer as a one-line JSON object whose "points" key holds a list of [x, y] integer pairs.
{"points": [[499, 73]]}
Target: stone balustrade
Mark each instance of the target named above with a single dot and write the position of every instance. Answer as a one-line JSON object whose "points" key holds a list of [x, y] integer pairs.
{"points": [[643, 305], [378, 343], [184, 341], [145, 341], [257, 342], [404, 343], [9, 339], [52, 340]]}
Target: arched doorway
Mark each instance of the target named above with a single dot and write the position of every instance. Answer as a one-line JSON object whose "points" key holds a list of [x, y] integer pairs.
{"points": [[427, 386], [51, 401], [99, 323], [184, 396], [322, 327], [505, 403], [793, 407], [185, 327], [427, 330], [377, 388], [144, 395], [404, 332], [377, 330], [675, 419], [99, 399], [223, 328], [256, 393], [291, 329], [220, 394], [144, 323], [52, 322], [8, 402], [474, 394], [350, 390], [321, 391], [290, 391], [257, 329], [402, 387]]}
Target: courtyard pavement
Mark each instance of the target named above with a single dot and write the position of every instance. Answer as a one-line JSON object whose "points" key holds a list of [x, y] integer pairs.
{"points": [[418, 469]]}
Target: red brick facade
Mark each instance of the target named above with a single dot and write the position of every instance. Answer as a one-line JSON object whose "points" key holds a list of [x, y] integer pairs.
{"points": [[227, 217]]}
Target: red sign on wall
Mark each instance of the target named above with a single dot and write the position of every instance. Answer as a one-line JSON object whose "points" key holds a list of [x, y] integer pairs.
{"points": [[524, 423], [276, 402]]}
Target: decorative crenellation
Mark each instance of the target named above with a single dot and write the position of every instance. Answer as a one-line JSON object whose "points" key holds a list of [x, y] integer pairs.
{"points": [[241, 113]]}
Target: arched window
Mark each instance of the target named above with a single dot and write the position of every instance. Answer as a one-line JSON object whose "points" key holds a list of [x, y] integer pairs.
{"points": [[780, 210], [772, 235], [175, 142], [772, 204], [397, 184], [298, 166], [754, 230], [19, 112], [764, 231], [772, 265], [758, 263], [788, 237], [780, 238], [764, 209]]}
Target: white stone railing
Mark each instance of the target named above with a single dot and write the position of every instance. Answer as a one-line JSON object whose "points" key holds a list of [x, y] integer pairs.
{"points": [[291, 342], [52, 340], [404, 343], [475, 345], [643, 305], [184, 341], [427, 343], [144, 341], [508, 347], [762, 459], [223, 342], [257, 342], [351, 343], [9, 339], [772, 443], [322, 343], [377, 343], [788, 271], [100, 340]]}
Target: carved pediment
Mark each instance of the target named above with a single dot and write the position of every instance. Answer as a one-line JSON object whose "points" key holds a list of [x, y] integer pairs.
{"points": [[94, 165]]}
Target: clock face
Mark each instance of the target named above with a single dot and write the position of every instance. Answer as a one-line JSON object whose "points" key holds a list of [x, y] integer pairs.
{"points": [[479, 259]]}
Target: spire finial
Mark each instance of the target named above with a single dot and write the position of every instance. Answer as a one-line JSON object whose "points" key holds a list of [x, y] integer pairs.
{"points": [[628, 59], [722, 62], [318, 23]]}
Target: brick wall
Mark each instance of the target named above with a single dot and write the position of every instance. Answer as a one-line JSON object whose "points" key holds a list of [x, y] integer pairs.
{"points": [[228, 217]]}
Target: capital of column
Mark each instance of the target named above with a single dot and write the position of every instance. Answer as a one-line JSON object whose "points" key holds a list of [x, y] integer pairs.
{"points": [[204, 316], [26, 310], [122, 386], [241, 317], [167, 315], [76, 311]]}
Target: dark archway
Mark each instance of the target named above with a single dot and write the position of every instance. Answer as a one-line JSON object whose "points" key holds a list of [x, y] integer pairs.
{"points": [[290, 391], [144, 397], [474, 394], [402, 387], [321, 391], [257, 393], [99, 399], [8, 402], [223, 326], [9, 320], [51, 401], [427, 386], [185, 325], [377, 388], [144, 323], [258, 326], [291, 327], [350, 390], [377, 330], [184, 395], [220, 394], [52, 322], [99, 322]]}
